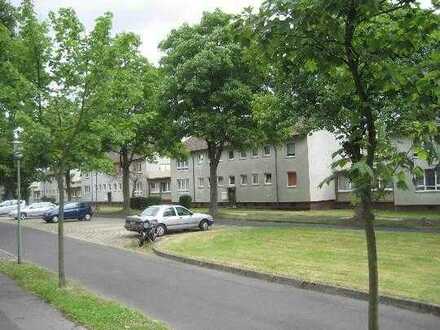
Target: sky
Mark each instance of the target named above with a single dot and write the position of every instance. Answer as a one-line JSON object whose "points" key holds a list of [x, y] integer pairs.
{"points": [[151, 19]]}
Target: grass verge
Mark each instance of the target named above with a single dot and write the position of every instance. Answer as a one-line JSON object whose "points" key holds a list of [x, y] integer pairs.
{"points": [[409, 263], [77, 304], [384, 218]]}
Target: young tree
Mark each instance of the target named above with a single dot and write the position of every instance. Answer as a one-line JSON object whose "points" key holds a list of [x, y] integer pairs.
{"points": [[134, 127], [63, 130], [364, 71], [209, 88]]}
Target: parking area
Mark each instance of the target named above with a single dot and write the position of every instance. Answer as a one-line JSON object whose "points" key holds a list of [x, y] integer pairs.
{"points": [[105, 231]]}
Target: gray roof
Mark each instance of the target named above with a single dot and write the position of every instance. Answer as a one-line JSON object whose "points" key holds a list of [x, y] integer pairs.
{"points": [[195, 144]]}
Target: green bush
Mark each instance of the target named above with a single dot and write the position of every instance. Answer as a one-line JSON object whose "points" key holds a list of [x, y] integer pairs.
{"points": [[140, 203], [186, 201], [48, 199]]}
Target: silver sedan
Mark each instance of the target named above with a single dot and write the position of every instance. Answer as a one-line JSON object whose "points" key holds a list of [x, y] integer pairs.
{"points": [[170, 217], [35, 210]]}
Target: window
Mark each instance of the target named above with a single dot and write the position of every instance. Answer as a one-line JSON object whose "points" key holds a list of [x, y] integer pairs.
{"points": [[137, 167], [182, 211], [255, 179], [344, 183], [267, 178], [120, 187], [290, 149], [139, 186], [231, 154], [200, 158], [100, 187], [182, 164], [115, 186], [183, 184], [291, 179], [254, 153], [201, 182], [169, 212], [266, 150], [165, 186], [430, 181], [243, 179], [232, 180], [220, 180], [243, 154], [154, 188], [109, 187]]}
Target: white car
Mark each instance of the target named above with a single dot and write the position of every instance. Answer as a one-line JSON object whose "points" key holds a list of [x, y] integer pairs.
{"points": [[8, 206], [169, 217], [35, 210]]}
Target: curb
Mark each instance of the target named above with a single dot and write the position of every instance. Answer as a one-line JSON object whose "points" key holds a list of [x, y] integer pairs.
{"points": [[307, 285], [5, 255]]}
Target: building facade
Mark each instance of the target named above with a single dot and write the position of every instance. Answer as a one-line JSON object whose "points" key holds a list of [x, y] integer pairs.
{"points": [[286, 175], [147, 178], [289, 176]]}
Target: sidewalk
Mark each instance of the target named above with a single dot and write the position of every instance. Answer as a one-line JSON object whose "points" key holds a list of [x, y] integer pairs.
{"points": [[20, 310]]}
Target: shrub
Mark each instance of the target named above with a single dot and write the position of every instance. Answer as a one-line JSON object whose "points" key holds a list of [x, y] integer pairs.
{"points": [[186, 201], [140, 203], [48, 199]]}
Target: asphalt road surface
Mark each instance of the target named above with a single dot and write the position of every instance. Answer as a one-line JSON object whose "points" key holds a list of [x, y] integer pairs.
{"points": [[190, 297]]}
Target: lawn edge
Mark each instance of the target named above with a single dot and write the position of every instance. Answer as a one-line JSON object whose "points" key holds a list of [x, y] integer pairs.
{"points": [[302, 284], [9, 257]]}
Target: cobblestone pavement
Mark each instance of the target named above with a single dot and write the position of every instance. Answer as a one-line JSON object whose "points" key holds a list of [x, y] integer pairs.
{"points": [[103, 231]]}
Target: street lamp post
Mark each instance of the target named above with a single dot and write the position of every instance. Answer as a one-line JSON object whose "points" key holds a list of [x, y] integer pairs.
{"points": [[18, 155]]}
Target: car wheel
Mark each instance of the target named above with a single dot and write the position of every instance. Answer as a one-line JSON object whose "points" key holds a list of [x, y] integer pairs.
{"points": [[23, 216], [161, 230], [87, 217], [204, 225], [55, 219]]}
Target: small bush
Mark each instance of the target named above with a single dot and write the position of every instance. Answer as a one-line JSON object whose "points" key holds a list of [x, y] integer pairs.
{"points": [[186, 201], [48, 199], [140, 203]]}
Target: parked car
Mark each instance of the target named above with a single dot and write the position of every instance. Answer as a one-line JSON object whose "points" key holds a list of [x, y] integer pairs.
{"points": [[169, 217], [8, 206], [77, 210], [35, 210]]}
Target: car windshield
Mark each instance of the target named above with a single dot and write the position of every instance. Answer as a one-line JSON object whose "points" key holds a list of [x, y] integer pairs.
{"points": [[151, 211]]}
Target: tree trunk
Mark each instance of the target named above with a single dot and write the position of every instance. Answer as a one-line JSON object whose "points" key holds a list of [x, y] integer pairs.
{"points": [[68, 185], [214, 154], [368, 219], [125, 165], [61, 274]]}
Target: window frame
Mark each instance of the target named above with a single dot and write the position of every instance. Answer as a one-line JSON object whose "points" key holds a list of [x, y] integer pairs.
{"points": [[296, 179], [255, 175], [244, 176], [264, 150], [229, 180], [287, 149], [265, 179], [436, 186]]}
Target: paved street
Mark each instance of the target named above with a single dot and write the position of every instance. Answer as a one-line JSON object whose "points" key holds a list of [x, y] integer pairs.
{"points": [[189, 297]]}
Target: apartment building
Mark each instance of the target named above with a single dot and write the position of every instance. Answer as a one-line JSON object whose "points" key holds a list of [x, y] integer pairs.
{"points": [[147, 178], [288, 176], [285, 175]]}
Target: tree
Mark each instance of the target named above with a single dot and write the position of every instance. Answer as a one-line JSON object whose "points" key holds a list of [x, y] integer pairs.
{"points": [[366, 71], [209, 87], [14, 91], [134, 127], [64, 129]]}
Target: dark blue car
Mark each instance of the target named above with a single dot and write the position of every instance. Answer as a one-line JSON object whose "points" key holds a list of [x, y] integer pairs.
{"points": [[79, 210]]}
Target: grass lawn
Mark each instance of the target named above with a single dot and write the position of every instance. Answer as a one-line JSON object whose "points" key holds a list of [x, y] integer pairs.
{"points": [[383, 217], [409, 263], [77, 304]]}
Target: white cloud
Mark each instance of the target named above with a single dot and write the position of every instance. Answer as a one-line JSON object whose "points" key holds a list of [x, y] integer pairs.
{"points": [[151, 19]]}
